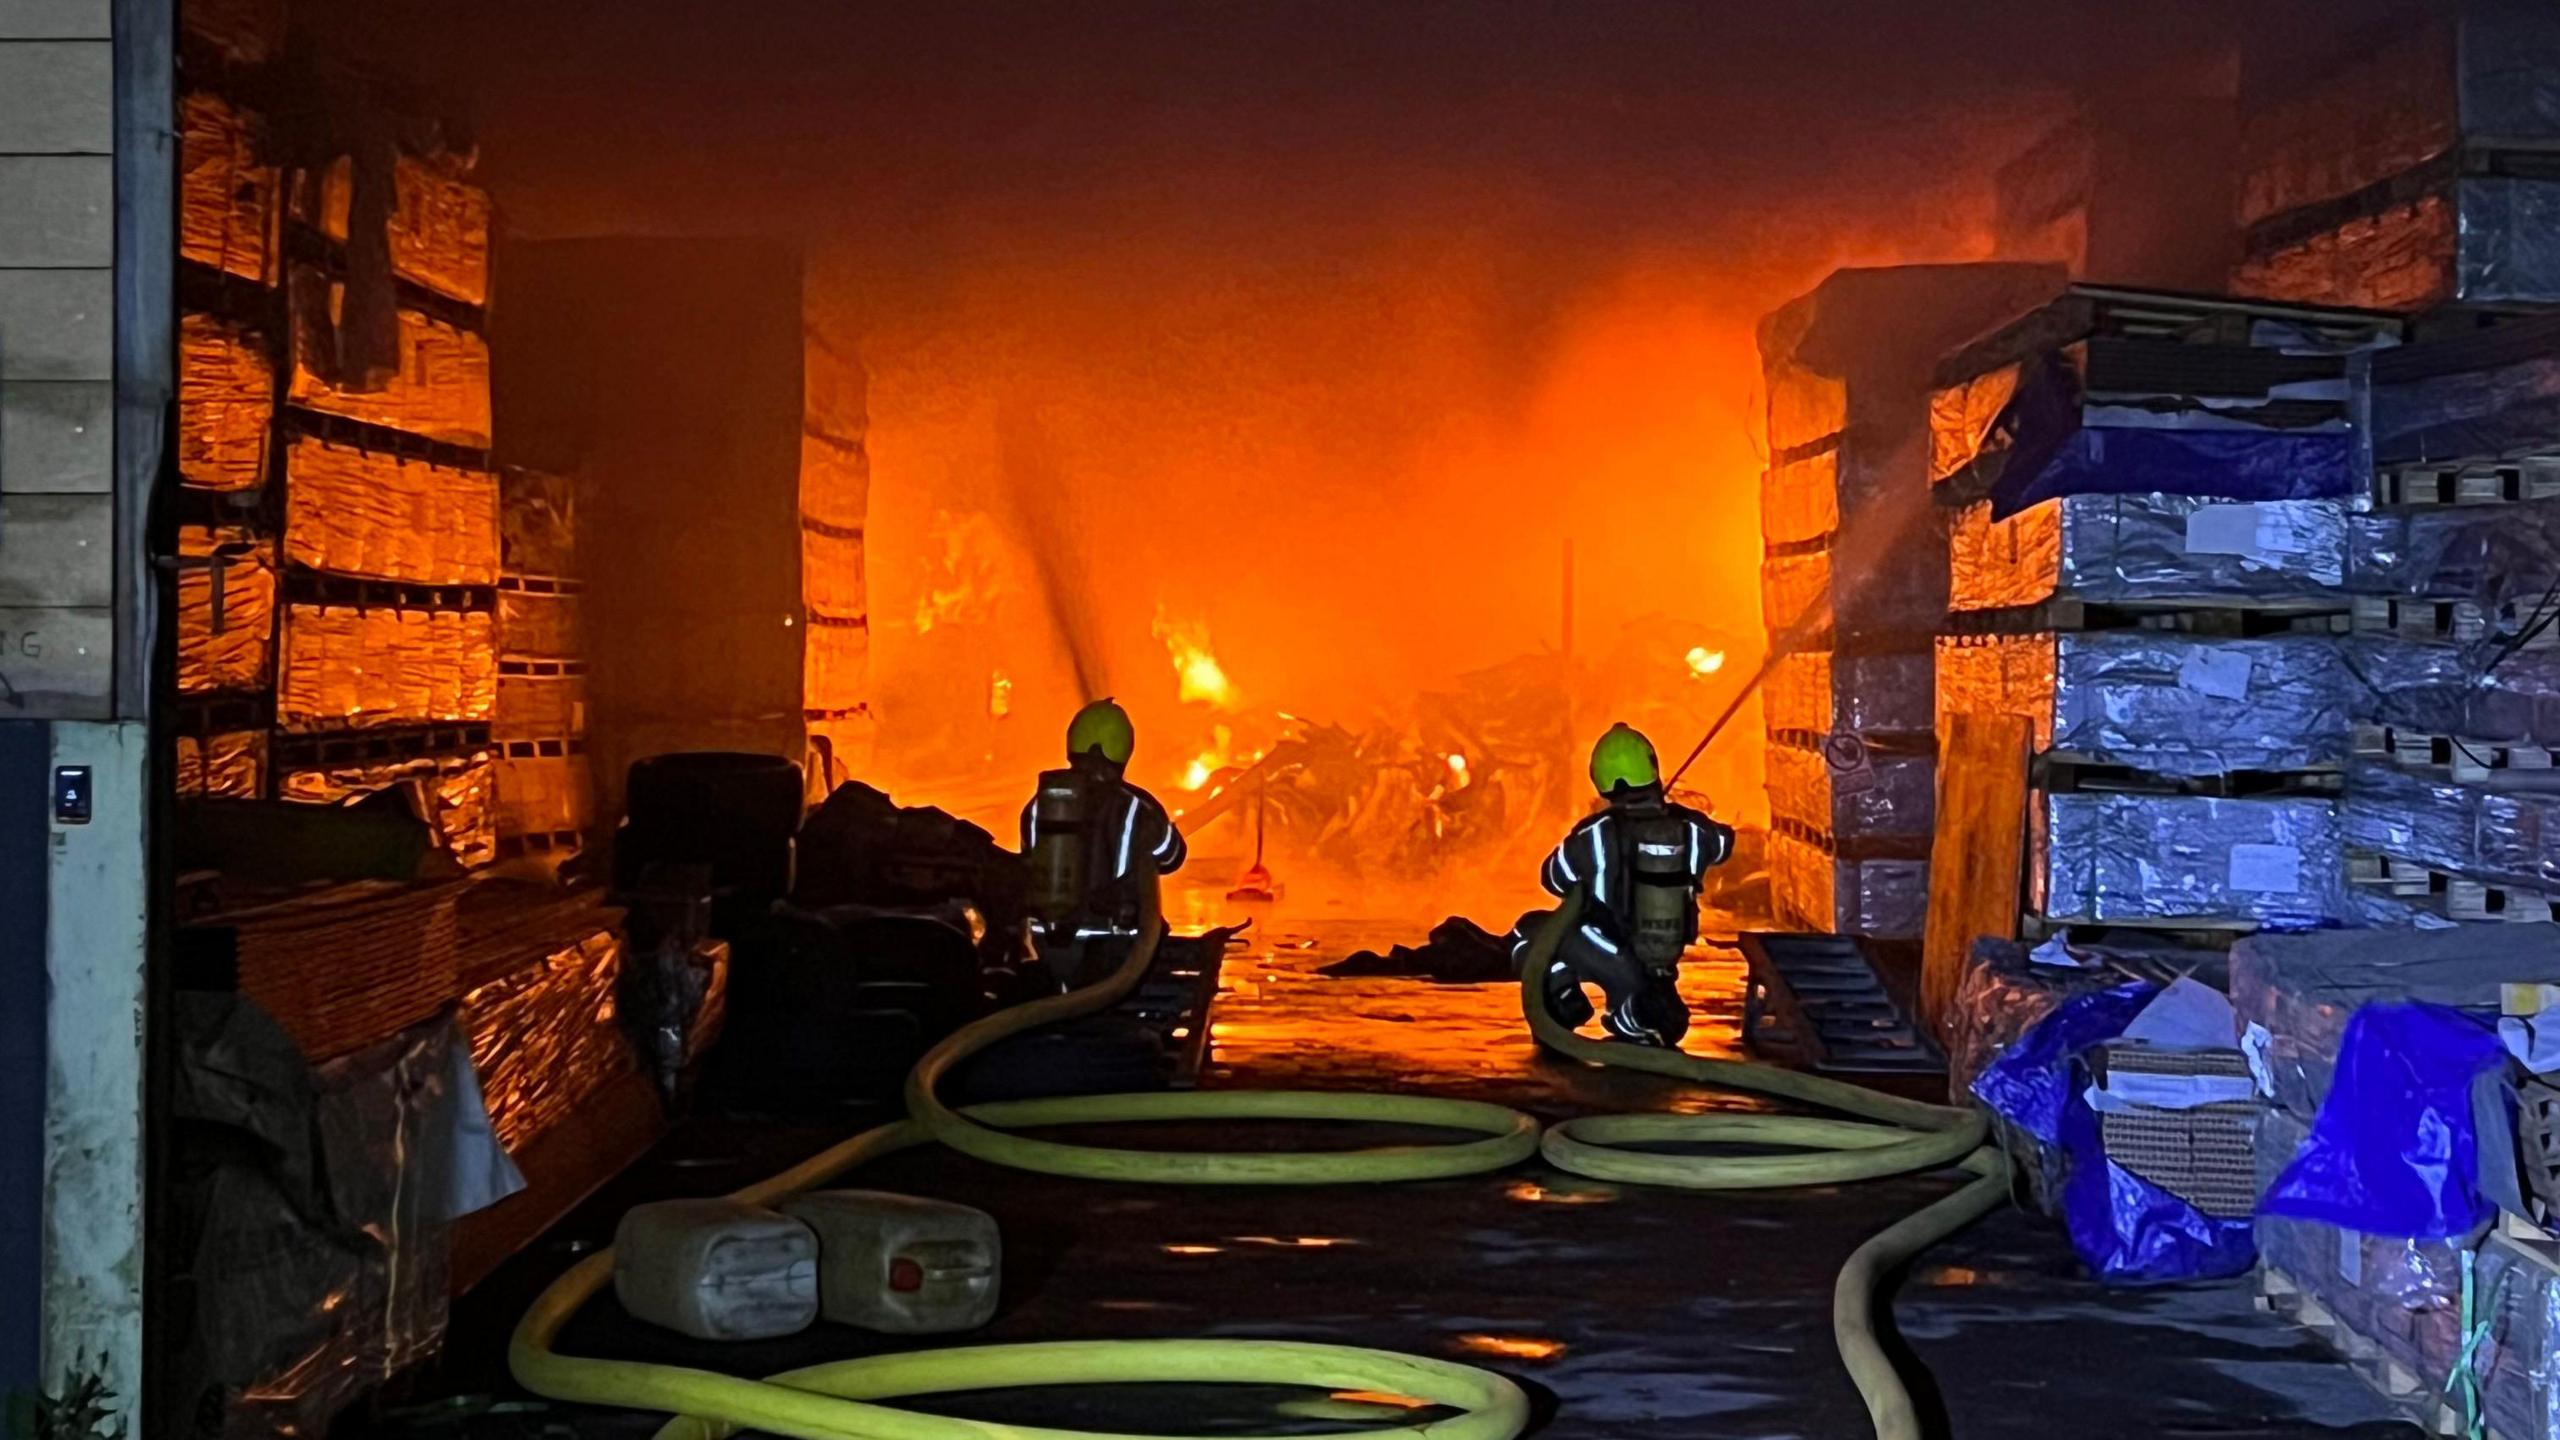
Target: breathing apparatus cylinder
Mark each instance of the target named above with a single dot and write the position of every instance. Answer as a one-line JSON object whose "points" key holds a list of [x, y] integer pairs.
{"points": [[1662, 889], [1061, 815]]}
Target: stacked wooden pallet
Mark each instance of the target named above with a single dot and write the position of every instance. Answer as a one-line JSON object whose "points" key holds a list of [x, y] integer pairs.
{"points": [[545, 791], [2453, 805], [835, 489]]}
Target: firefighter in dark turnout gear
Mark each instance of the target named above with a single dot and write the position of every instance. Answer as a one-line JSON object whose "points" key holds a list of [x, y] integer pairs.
{"points": [[1085, 835], [1640, 863]]}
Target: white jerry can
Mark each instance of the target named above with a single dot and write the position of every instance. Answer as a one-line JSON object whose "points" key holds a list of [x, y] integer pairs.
{"points": [[716, 1269], [902, 1265]]}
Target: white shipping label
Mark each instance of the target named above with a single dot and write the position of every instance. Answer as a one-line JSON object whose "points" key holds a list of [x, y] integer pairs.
{"points": [[2222, 674], [2266, 869], [2223, 530], [2264, 534]]}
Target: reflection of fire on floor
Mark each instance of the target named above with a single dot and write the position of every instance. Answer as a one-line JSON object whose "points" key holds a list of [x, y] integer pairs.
{"points": [[1281, 1022]]}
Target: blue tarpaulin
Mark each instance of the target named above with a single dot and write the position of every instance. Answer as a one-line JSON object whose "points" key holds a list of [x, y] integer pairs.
{"points": [[2030, 1084], [2395, 1148], [2052, 452]]}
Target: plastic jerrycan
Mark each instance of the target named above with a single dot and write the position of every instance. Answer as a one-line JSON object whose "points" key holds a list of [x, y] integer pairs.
{"points": [[716, 1269], [902, 1265]]}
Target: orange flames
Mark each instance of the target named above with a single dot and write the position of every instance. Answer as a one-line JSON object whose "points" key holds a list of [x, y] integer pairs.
{"points": [[1210, 761], [1203, 678]]}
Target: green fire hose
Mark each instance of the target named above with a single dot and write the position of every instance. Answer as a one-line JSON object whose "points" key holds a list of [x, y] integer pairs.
{"points": [[841, 1401]]}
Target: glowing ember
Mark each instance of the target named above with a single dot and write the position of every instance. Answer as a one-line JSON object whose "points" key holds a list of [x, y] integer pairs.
{"points": [[1202, 677], [1194, 1249], [1533, 1193], [1457, 772], [999, 694], [1703, 661], [1512, 1347], [1196, 774]]}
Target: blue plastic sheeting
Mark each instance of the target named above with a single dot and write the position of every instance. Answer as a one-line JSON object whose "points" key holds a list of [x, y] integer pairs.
{"points": [[2129, 1231], [2030, 1085], [2220, 464], [2053, 451], [2395, 1149]]}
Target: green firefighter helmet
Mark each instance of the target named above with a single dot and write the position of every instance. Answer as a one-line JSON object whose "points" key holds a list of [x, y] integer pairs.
{"points": [[1623, 759], [1101, 728]]}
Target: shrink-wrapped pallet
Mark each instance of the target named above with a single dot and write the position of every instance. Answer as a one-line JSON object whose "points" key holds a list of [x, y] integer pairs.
{"points": [[437, 383], [2147, 550], [439, 224], [2160, 701], [227, 212], [340, 666], [350, 511], [2114, 858], [231, 765]]}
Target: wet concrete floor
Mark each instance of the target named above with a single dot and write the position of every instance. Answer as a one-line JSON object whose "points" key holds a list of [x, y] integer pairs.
{"points": [[1627, 1312]]}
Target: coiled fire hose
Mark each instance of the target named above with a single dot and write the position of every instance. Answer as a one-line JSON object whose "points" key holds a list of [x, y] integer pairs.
{"points": [[841, 1401]]}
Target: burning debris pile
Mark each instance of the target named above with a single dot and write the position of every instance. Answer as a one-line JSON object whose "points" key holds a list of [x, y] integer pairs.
{"points": [[1480, 767], [1481, 776]]}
